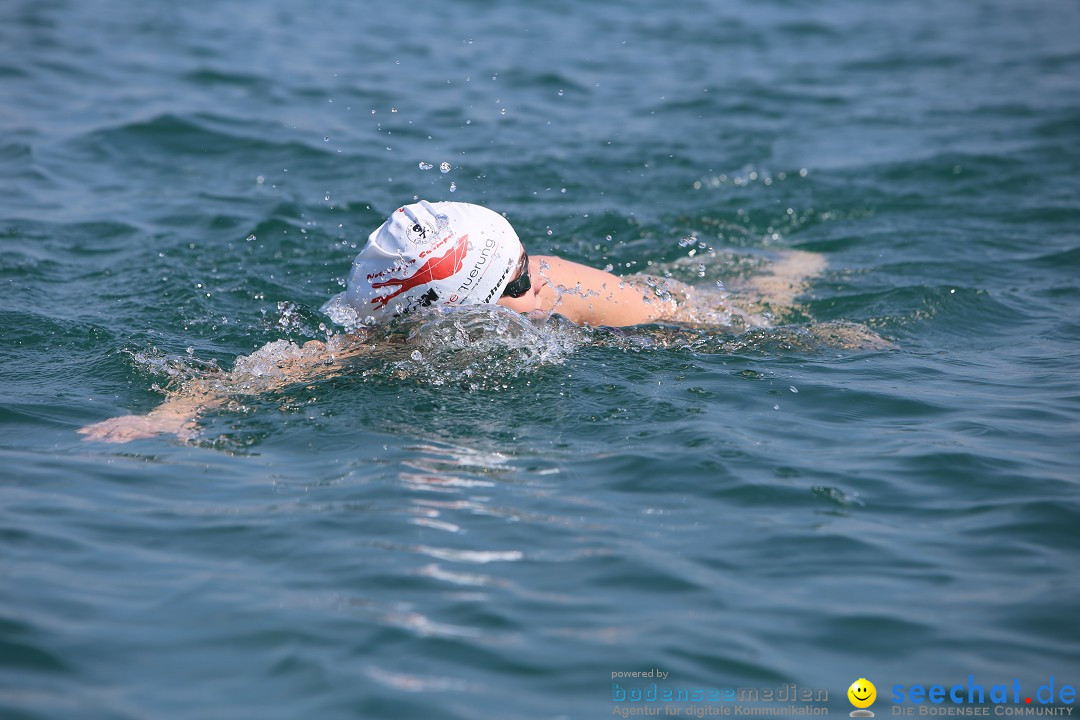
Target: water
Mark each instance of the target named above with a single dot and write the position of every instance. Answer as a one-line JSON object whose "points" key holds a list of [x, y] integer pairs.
{"points": [[495, 525]]}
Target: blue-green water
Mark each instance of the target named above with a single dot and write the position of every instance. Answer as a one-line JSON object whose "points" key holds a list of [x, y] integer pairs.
{"points": [[180, 184]]}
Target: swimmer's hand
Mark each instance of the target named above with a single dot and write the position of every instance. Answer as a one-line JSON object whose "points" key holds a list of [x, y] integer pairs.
{"points": [[135, 427]]}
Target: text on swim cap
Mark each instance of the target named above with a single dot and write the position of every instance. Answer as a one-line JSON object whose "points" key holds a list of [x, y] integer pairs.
{"points": [[485, 253]]}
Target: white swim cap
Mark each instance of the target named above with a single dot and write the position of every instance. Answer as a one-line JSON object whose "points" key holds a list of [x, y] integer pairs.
{"points": [[444, 253]]}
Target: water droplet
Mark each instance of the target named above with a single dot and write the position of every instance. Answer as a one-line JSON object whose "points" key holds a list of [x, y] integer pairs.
{"points": [[251, 237], [444, 167], [425, 165], [453, 187], [416, 355], [803, 172], [794, 389], [393, 110], [701, 270], [260, 179], [609, 267], [326, 138]]}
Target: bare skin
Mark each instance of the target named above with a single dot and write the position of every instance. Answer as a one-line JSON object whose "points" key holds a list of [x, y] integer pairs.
{"points": [[587, 296], [582, 294], [183, 405]]}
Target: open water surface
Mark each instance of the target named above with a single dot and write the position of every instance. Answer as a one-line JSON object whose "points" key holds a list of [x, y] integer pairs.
{"points": [[493, 520]]}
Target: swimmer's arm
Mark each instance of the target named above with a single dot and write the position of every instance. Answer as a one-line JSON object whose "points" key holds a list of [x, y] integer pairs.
{"points": [[589, 296], [177, 414]]}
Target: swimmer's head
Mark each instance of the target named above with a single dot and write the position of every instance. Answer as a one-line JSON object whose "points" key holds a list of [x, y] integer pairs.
{"points": [[444, 253]]}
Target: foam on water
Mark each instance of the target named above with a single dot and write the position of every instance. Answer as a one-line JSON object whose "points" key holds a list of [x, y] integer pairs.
{"points": [[174, 368], [479, 347]]}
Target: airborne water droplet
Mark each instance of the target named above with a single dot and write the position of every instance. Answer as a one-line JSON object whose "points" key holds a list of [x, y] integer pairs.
{"points": [[444, 167], [425, 165]]}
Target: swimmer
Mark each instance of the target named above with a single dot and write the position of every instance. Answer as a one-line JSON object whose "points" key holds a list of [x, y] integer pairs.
{"points": [[455, 254]]}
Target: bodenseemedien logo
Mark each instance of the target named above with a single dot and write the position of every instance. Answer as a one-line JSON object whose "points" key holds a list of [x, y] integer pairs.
{"points": [[862, 694]]}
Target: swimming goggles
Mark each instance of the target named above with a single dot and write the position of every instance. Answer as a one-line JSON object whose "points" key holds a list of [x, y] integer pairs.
{"points": [[521, 283]]}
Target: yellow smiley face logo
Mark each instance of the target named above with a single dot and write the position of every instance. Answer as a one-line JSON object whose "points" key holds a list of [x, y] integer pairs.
{"points": [[862, 693]]}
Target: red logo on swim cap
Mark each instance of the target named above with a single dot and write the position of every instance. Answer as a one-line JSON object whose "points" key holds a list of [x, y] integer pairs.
{"points": [[436, 268]]}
